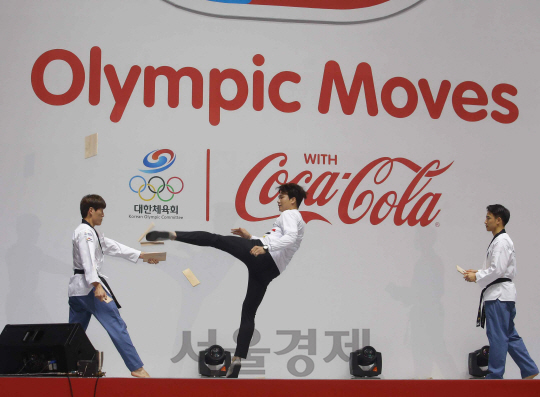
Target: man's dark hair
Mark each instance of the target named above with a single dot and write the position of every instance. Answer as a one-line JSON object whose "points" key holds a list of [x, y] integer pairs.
{"points": [[499, 211], [91, 201], [293, 190]]}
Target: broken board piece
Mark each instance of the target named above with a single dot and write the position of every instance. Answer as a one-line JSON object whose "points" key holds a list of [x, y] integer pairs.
{"points": [[152, 242], [459, 269], [90, 145], [146, 232], [191, 277], [160, 256]]}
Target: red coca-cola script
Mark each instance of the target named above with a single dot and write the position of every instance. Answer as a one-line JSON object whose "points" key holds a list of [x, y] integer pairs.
{"points": [[321, 191]]}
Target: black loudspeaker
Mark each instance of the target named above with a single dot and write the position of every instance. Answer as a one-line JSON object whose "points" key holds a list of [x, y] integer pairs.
{"points": [[478, 362], [44, 349]]}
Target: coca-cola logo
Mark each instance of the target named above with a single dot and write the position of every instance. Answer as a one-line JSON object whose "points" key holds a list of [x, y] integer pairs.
{"points": [[356, 202], [318, 11]]}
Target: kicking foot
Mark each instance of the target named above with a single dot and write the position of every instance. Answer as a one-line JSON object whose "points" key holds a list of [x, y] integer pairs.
{"points": [[531, 377], [234, 368], [140, 373], [160, 236]]}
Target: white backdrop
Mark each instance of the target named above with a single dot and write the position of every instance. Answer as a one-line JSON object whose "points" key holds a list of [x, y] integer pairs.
{"points": [[398, 281]]}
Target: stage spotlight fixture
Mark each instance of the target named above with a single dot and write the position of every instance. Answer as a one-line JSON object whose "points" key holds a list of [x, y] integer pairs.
{"points": [[214, 362], [478, 362], [366, 362]]}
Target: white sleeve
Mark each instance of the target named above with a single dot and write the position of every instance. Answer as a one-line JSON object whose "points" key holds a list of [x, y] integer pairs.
{"points": [[497, 266], [114, 248], [290, 232], [87, 248]]}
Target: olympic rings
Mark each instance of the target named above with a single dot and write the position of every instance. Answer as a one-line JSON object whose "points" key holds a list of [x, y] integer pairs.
{"points": [[148, 189], [161, 188], [168, 186], [181, 181], [137, 176], [153, 190]]}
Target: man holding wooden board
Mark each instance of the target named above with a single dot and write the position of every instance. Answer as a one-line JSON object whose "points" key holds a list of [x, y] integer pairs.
{"points": [[89, 293], [265, 257], [498, 298]]}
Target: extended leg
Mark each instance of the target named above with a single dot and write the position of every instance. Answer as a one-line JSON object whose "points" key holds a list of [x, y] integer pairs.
{"points": [[235, 246], [108, 315], [254, 296]]}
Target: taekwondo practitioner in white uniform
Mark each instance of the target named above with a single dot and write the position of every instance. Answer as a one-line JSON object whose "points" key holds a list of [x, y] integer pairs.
{"points": [[89, 292], [265, 257], [498, 299]]}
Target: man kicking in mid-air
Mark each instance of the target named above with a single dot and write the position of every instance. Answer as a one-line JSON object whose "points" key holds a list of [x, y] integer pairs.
{"points": [[265, 257]]}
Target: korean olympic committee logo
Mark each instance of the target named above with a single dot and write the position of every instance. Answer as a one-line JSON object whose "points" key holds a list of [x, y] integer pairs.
{"points": [[157, 161], [161, 163], [301, 11]]}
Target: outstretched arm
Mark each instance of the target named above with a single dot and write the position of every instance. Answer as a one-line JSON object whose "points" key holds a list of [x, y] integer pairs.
{"points": [[114, 248], [242, 233]]}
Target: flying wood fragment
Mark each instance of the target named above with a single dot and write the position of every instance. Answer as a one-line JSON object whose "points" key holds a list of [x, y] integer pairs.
{"points": [[191, 277], [90, 145]]}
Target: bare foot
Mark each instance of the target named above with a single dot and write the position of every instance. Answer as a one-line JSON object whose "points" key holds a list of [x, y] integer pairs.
{"points": [[140, 373], [531, 377]]}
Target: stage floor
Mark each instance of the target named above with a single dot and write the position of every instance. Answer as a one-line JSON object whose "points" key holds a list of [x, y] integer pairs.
{"points": [[161, 387]]}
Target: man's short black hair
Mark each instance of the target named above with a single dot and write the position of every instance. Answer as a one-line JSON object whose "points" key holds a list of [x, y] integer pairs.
{"points": [[91, 201], [293, 190], [499, 211]]}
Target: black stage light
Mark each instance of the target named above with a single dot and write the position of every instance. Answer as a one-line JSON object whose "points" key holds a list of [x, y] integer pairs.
{"points": [[478, 362], [214, 361], [366, 362]]}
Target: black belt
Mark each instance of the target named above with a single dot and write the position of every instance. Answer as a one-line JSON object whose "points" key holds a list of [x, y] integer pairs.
{"points": [[481, 319], [79, 271]]}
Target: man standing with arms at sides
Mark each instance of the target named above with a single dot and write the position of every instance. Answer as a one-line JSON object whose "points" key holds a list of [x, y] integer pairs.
{"points": [[89, 292], [498, 299], [265, 257]]}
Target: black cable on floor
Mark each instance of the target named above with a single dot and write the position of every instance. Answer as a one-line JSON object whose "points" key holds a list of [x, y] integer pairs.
{"points": [[95, 387], [70, 388]]}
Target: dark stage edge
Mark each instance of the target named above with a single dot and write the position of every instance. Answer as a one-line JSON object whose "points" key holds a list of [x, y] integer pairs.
{"points": [[163, 387]]}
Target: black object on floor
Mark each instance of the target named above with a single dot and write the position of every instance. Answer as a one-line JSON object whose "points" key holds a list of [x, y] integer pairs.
{"points": [[45, 349]]}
